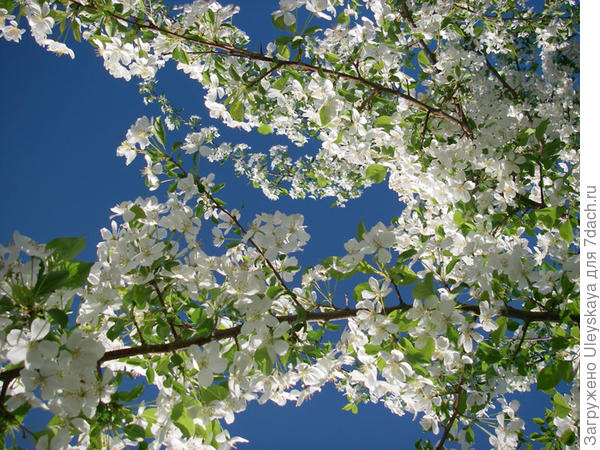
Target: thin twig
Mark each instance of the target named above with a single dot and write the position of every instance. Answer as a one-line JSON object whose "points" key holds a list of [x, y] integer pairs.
{"points": [[142, 340], [448, 426], [229, 50], [397, 293], [266, 74], [424, 130], [408, 16], [367, 101], [518, 349], [242, 229], [164, 307], [541, 182], [311, 316]]}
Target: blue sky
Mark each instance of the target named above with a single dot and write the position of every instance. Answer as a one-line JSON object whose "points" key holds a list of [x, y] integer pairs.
{"points": [[62, 121]]}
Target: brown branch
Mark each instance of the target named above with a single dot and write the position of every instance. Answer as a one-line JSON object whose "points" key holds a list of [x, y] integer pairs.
{"points": [[5, 389], [242, 229], [230, 50], [530, 203], [408, 16], [500, 78], [164, 308], [507, 19], [448, 426], [367, 101], [424, 130], [266, 74], [541, 180], [518, 349], [504, 83], [311, 316], [137, 327], [8, 375], [397, 293]]}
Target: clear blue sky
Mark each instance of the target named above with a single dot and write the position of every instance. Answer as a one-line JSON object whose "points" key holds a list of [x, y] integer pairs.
{"points": [[62, 121]]}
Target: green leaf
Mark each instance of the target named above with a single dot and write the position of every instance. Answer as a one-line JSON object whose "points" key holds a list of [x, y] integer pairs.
{"points": [[59, 317], [343, 18], [282, 40], [371, 349], [212, 393], [330, 57], [422, 58], [403, 275], [278, 22], [50, 282], [185, 425], [66, 248], [547, 216], [150, 375], [325, 115], [280, 83], [561, 406], [459, 218], [425, 288], [548, 377], [566, 231], [273, 291], [568, 438], [357, 292], [237, 111], [114, 331], [159, 131], [383, 121], [128, 396], [418, 356], [177, 411], [78, 272], [8, 5], [540, 130], [181, 56], [523, 136], [406, 255], [265, 129], [134, 432], [565, 370], [361, 230], [315, 335], [76, 29], [376, 173], [351, 407], [283, 51], [139, 296], [470, 435], [263, 361], [499, 332]]}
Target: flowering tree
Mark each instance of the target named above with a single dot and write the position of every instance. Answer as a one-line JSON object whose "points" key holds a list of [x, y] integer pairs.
{"points": [[469, 109]]}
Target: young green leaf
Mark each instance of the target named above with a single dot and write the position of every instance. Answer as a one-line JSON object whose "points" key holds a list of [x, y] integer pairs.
{"points": [[376, 173], [66, 248]]}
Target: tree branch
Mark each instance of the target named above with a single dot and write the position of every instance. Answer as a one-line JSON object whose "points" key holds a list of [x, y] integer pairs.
{"points": [[311, 316], [448, 426], [408, 16], [164, 308], [230, 50]]}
